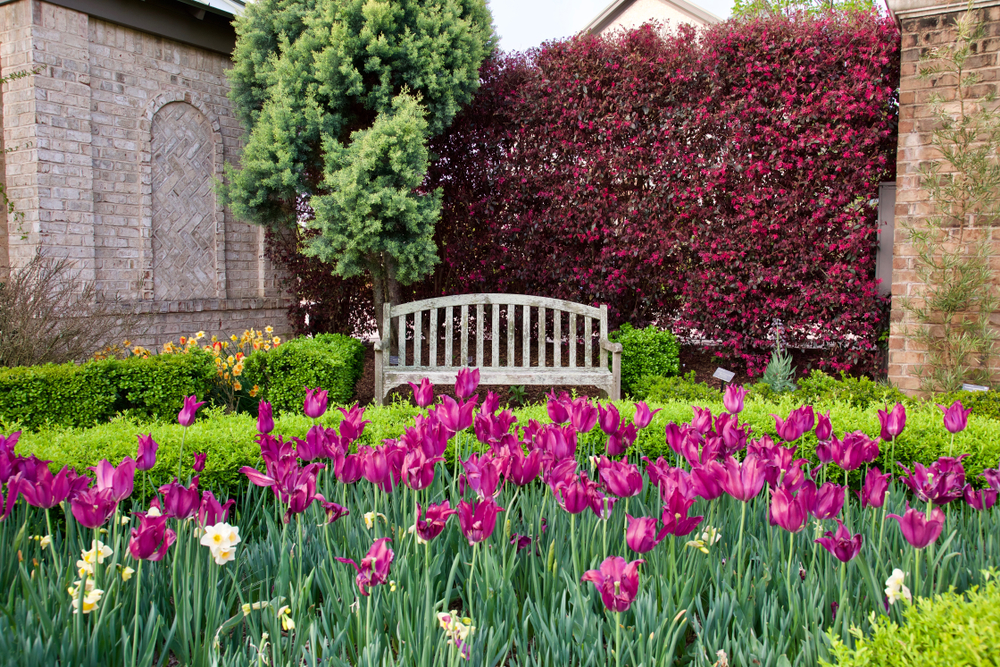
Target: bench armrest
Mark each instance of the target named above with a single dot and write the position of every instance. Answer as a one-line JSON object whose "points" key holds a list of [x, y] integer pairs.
{"points": [[611, 347]]}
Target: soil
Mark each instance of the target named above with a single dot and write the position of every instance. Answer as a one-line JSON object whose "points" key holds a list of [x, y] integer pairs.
{"points": [[692, 358]]}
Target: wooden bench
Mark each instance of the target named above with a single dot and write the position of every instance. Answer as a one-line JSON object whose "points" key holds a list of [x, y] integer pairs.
{"points": [[529, 318]]}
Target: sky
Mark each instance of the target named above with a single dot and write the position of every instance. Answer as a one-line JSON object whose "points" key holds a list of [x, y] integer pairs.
{"points": [[523, 24]]}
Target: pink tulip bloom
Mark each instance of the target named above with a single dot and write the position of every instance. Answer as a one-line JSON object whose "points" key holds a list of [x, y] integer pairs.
{"points": [[434, 522], [557, 409], [524, 468], [992, 477], [265, 417], [707, 480], [824, 427], [980, 499], [45, 490], [583, 415], [643, 416], [918, 529], [828, 501], [491, 403], [93, 507], [841, 544], [423, 394], [118, 480], [145, 457], [574, 496], [892, 422], [940, 483], [641, 535], [702, 421], [622, 479], [315, 404], [187, 414], [467, 382], [374, 568], [617, 582], [482, 475], [675, 517], [12, 490], [152, 538], [956, 417], [876, 484], [418, 469], [788, 510], [210, 512], [743, 481], [180, 502], [790, 429], [333, 510], [477, 520], [199, 462], [353, 423], [455, 416], [733, 399], [608, 418]]}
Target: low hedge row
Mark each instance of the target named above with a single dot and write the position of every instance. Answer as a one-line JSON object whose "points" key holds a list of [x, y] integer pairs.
{"points": [[229, 440], [153, 388], [948, 630]]}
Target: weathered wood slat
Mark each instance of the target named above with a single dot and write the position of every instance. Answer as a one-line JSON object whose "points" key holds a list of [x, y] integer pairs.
{"points": [[526, 336], [541, 337], [603, 354], [401, 321], [588, 342], [495, 335], [572, 340], [567, 376], [433, 361], [449, 341], [465, 336], [557, 339], [474, 299], [417, 334], [479, 336], [511, 314]]}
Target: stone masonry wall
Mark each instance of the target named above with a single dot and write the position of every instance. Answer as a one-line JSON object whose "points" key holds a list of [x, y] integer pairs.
{"points": [[116, 142], [923, 29]]}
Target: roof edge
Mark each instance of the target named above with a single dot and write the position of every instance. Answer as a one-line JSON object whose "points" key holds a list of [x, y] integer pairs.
{"points": [[615, 9]]}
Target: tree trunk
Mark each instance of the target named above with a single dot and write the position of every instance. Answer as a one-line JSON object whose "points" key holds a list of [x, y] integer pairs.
{"points": [[379, 295]]}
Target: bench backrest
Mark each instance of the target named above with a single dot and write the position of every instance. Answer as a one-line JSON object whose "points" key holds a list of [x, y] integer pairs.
{"points": [[528, 315]]}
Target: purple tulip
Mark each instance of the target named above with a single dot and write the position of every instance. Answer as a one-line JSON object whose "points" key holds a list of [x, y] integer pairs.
{"points": [[956, 417], [524, 468], [892, 422], [873, 492], [180, 502], [353, 423], [675, 517], [265, 417], [643, 416], [434, 523], [93, 507], [478, 519], [583, 415], [333, 510], [482, 475], [559, 441], [145, 457], [788, 510], [120, 480], [841, 544], [980, 499], [992, 476], [315, 445], [621, 440], [557, 409], [423, 394], [827, 501], [374, 568], [707, 480], [824, 427], [315, 404], [210, 512], [573, 496], [641, 535], [940, 483], [418, 469], [855, 450], [702, 420], [743, 481], [13, 485], [152, 538], [491, 403], [455, 416], [608, 418], [917, 528], [733, 399], [186, 416], [617, 582], [622, 479], [45, 490], [790, 429], [298, 489], [199, 462], [467, 382]]}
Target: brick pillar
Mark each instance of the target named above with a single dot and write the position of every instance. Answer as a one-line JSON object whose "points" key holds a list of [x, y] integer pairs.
{"points": [[925, 25]]}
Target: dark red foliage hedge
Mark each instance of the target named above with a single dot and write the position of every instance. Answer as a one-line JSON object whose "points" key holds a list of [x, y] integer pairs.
{"points": [[715, 182]]}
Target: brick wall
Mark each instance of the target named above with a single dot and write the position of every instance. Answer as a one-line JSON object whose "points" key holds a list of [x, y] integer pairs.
{"points": [[82, 171], [925, 26]]}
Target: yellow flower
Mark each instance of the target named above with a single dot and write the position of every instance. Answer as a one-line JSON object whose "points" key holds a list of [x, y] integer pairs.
{"points": [[45, 542], [127, 573], [276, 340], [392, 586], [200, 334], [285, 614], [91, 597], [233, 338], [237, 386], [98, 552], [370, 518], [268, 329], [253, 392]]}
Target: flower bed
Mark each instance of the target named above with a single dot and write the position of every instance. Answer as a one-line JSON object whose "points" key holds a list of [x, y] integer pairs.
{"points": [[519, 550]]}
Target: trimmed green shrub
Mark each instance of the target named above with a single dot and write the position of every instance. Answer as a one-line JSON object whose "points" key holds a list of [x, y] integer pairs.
{"points": [[330, 361], [82, 395], [646, 352], [948, 630], [861, 392], [983, 403], [678, 388]]}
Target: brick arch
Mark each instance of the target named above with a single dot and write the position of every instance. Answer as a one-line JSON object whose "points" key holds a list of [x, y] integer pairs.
{"points": [[182, 221]]}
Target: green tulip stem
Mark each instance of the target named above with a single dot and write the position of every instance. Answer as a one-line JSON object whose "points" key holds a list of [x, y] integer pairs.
{"points": [[572, 537], [180, 459], [843, 601], [739, 543], [135, 630], [916, 573], [951, 448], [625, 529], [604, 542], [847, 500], [788, 572], [58, 560], [472, 574], [618, 639]]}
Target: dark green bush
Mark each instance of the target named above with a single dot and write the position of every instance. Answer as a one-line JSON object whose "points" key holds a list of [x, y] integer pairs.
{"points": [[948, 630], [329, 361], [83, 395], [646, 352]]}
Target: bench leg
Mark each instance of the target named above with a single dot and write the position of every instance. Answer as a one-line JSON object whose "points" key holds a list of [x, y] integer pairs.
{"points": [[379, 378], [616, 376]]}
